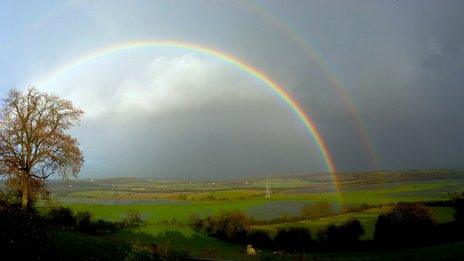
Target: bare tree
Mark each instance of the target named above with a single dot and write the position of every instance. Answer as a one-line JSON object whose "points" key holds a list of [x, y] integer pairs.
{"points": [[33, 140]]}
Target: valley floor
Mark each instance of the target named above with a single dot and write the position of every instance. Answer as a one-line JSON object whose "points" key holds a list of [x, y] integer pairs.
{"points": [[166, 214]]}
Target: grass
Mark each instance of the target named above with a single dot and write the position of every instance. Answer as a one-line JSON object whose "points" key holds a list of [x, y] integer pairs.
{"points": [[180, 238], [88, 247], [155, 213], [442, 214], [184, 238], [206, 201], [450, 251], [367, 218]]}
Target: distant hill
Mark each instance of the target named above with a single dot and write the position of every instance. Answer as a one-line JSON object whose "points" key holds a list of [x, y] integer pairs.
{"points": [[314, 181], [121, 180]]}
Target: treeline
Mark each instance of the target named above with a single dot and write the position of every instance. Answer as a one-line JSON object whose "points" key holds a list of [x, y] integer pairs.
{"points": [[405, 225], [399, 176], [235, 226], [311, 212], [84, 222]]}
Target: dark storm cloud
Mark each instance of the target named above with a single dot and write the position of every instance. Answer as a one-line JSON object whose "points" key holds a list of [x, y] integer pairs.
{"points": [[208, 142], [402, 63]]}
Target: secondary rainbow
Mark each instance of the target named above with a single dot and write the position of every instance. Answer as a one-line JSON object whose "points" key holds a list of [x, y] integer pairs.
{"points": [[335, 81], [278, 89]]}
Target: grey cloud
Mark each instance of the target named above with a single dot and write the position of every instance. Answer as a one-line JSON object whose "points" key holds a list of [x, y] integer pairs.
{"points": [[401, 62]]}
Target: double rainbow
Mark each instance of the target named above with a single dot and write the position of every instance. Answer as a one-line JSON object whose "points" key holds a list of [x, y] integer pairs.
{"points": [[261, 76]]}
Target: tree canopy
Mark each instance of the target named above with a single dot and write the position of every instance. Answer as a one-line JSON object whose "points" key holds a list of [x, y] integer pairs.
{"points": [[33, 141]]}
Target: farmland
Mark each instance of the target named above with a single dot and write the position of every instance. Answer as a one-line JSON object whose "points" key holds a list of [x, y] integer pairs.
{"points": [[166, 205]]}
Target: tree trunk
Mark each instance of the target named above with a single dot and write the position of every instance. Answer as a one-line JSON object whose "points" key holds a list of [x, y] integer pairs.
{"points": [[24, 197], [25, 192]]}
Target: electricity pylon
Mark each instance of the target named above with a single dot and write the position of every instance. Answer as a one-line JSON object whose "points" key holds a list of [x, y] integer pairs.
{"points": [[268, 188]]}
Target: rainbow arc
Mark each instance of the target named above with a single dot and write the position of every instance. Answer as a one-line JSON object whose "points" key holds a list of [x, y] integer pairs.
{"points": [[284, 95]]}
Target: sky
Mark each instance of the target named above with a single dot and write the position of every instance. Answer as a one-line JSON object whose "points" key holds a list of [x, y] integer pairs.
{"points": [[381, 80]]}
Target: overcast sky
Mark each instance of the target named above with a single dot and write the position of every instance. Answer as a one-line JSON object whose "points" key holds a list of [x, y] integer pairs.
{"points": [[170, 112]]}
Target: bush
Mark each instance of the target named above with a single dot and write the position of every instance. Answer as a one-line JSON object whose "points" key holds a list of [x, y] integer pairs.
{"points": [[171, 222], [133, 218], [62, 218], [295, 239], [286, 218], [104, 227], [458, 203], [210, 197], [358, 208], [84, 222], [230, 225], [259, 239], [318, 210], [406, 223], [344, 235], [195, 221], [22, 233]]}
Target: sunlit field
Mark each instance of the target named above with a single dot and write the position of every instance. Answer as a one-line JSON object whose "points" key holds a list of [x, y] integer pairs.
{"points": [[166, 214]]}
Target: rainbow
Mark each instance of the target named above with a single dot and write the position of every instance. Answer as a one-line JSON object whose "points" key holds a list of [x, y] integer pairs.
{"points": [[334, 80], [261, 76]]}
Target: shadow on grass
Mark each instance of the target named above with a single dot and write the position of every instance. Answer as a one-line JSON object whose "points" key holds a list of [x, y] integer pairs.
{"points": [[194, 244]]}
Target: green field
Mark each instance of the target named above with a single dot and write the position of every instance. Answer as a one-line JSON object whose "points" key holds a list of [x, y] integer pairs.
{"points": [[166, 208]]}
